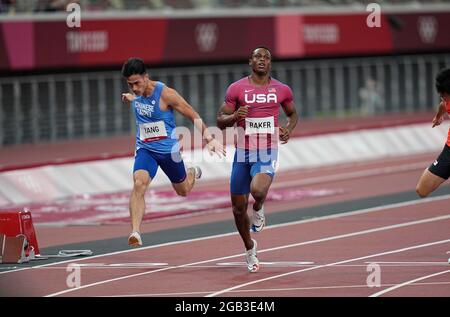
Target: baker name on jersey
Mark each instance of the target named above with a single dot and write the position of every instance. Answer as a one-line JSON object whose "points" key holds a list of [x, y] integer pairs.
{"points": [[260, 98], [260, 125]]}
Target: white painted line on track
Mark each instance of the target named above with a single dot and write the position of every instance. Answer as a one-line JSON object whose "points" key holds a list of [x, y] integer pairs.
{"points": [[269, 264], [327, 265], [339, 215], [358, 233], [378, 171], [406, 263], [271, 290], [242, 264], [390, 289]]}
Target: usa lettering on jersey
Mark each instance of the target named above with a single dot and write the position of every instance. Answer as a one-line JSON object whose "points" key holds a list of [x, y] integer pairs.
{"points": [[260, 98]]}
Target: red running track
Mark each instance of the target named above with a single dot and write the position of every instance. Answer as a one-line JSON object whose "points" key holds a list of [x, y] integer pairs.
{"points": [[408, 242]]}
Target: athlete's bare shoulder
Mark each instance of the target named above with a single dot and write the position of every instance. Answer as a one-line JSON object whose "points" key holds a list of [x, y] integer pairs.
{"points": [[169, 93]]}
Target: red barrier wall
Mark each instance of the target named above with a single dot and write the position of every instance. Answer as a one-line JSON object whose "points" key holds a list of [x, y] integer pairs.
{"points": [[100, 42]]}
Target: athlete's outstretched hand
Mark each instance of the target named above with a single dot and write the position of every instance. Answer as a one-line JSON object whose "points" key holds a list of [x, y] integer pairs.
{"points": [[284, 135], [127, 97], [217, 147]]}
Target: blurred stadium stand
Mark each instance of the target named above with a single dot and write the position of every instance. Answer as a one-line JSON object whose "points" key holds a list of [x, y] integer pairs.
{"points": [[72, 90], [42, 108], [29, 6]]}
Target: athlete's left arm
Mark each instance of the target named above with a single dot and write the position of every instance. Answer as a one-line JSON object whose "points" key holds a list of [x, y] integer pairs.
{"points": [[439, 117], [173, 99], [292, 118]]}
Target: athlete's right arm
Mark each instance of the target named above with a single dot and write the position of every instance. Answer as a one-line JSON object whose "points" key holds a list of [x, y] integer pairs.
{"points": [[227, 117], [127, 97]]}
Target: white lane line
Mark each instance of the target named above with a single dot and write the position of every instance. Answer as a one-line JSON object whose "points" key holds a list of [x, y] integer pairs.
{"points": [[324, 266], [120, 265], [221, 265], [268, 264], [338, 215], [408, 263], [384, 228], [271, 290], [390, 289], [364, 211], [351, 175], [346, 235]]}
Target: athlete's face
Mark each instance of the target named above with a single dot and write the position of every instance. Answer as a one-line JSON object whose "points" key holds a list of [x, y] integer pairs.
{"points": [[138, 83], [261, 61]]}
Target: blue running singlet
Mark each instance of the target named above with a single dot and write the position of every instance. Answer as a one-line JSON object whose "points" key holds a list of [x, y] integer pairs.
{"points": [[154, 128]]}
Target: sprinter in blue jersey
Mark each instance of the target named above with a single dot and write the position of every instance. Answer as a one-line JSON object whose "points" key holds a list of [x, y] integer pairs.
{"points": [[156, 142]]}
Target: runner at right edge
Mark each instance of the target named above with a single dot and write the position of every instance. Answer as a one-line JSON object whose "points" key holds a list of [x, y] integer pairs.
{"points": [[439, 171]]}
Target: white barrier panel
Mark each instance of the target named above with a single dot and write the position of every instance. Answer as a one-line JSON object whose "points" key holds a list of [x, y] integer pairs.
{"points": [[106, 176]]}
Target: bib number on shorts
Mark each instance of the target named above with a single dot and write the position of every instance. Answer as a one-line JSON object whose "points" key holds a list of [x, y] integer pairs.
{"points": [[259, 125], [152, 131]]}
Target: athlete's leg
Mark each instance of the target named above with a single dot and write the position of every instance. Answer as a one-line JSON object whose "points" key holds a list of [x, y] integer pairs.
{"points": [[241, 219], [141, 180], [428, 182], [240, 189], [259, 187], [242, 222], [183, 188], [435, 175], [182, 179], [262, 172], [144, 170]]}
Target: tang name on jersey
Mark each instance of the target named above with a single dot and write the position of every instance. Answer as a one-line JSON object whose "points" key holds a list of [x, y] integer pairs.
{"points": [[144, 109], [152, 131]]}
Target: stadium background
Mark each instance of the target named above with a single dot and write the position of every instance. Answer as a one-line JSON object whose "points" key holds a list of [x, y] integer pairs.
{"points": [[365, 96], [62, 83]]}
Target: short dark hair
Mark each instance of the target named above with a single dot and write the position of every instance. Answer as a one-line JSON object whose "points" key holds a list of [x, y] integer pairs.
{"points": [[133, 66], [258, 47], [443, 81]]}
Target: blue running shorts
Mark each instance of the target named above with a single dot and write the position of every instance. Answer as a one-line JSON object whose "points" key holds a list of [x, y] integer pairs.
{"points": [[248, 163], [171, 164]]}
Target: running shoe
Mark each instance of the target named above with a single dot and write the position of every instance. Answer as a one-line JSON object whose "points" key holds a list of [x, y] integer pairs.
{"points": [[258, 220], [198, 172], [251, 259], [134, 240]]}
